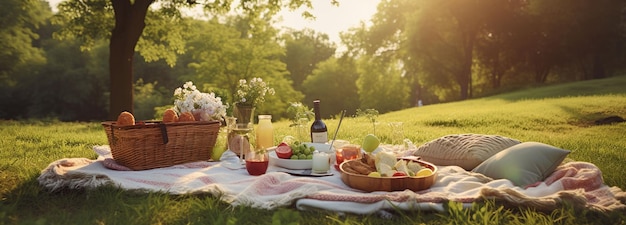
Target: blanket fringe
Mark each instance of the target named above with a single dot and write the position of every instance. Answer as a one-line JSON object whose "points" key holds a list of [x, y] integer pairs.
{"points": [[577, 197], [55, 177]]}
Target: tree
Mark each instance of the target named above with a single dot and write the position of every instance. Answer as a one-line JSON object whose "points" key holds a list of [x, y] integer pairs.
{"points": [[304, 50], [441, 43], [381, 85], [94, 19], [242, 48], [500, 45], [19, 21], [19, 53], [333, 82]]}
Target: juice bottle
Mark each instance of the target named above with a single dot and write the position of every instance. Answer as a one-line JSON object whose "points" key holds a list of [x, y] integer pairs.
{"points": [[265, 132]]}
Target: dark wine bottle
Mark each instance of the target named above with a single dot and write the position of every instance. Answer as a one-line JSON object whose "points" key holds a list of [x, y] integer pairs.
{"points": [[319, 132]]}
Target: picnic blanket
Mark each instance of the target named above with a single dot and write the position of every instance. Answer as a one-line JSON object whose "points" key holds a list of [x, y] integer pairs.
{"points": [[577, 183]]}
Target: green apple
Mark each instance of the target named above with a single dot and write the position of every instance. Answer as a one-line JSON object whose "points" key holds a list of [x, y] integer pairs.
{"points": [[370, 143]]}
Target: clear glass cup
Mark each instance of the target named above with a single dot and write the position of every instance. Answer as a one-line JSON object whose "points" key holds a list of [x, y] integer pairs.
{"points": [[241, 140], [347, 152]]}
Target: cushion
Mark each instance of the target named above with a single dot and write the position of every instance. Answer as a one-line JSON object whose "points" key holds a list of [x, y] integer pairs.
{"points": [[523, 164], [464, 150]]}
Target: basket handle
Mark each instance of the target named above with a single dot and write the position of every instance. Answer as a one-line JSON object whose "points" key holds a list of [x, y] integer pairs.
{"points": [[164, 133]]}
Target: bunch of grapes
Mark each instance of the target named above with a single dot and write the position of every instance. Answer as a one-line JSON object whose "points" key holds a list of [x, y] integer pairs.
{"points": [[301, 150]]}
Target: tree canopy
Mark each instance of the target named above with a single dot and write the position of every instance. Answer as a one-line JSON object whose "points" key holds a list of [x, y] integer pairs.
{"points": [[89, 19], [410, 51]]}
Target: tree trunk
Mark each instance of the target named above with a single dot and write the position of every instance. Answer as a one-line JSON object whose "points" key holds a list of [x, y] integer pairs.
{"points": [[129, 24], [464, 78], [598, 67]]}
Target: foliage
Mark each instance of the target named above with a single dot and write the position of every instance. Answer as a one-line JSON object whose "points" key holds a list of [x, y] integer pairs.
{"points": [[413, 46], [556, 115], [458, 49], [70, 86], [19, 22], [147, 97], [304, 50], [299, 114], [333, 77], [227, 53], [129, 26], [381, 85]]}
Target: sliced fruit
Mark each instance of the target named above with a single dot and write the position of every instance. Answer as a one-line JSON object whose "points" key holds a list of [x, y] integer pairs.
{"points": [[424, 172], [370, 143], [414, 166], [399, 174], [386, 158], [386, 170], [401, 166], [283, 151], [374, 174]]}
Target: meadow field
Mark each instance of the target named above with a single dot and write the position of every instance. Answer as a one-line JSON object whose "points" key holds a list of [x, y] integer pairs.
{"points": [[560, 115]]}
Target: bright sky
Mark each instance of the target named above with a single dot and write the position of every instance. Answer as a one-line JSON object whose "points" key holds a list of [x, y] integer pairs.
{"points": [[332, 19], [329, 19]]}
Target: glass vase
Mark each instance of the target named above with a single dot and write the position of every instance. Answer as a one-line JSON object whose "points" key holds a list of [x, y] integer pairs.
{"points": [[244, 114]]}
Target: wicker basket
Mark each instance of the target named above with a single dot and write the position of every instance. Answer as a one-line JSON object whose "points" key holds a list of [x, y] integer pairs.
{"points": [[155, 144]]}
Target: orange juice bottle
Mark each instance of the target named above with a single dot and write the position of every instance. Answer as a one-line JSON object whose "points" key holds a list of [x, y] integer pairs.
{"points": [[264, 132]]}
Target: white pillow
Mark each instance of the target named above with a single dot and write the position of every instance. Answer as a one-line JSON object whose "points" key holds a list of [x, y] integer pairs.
{"points": [[523, 164], [464, 150]]}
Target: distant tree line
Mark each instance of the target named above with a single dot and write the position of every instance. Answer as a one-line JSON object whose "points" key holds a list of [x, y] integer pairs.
{"points": [[53, 65]]}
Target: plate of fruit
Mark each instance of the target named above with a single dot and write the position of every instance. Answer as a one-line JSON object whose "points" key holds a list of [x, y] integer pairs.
{"points": [[298, 155], [386, 172]]}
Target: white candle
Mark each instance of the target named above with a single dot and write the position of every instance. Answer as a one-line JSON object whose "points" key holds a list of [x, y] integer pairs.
{"points": [[321, 162]]}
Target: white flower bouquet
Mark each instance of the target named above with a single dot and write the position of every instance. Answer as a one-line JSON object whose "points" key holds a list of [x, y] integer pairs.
{"points": [[204, 106], [253, 92]]}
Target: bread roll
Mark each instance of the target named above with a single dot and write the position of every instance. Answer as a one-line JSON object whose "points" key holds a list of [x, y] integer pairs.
{"points": [[125, 119], [170, 116], [186, 117]]}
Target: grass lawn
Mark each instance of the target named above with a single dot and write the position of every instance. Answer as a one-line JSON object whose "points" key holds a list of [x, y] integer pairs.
{"points": [[561, 115]]}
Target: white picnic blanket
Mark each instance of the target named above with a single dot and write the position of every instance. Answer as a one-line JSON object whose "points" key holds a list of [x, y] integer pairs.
{"points": [[578, 183]]}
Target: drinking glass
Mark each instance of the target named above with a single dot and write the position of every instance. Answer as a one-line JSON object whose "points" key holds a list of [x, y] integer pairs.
{"points": [[257, 162], [241, 141], [347, 152]]}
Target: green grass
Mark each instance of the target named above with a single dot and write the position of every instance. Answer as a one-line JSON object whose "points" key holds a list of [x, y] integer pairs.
{"points": [[561, 115]]}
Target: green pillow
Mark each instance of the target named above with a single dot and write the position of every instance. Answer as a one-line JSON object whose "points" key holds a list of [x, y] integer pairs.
{"points": [[524, 163]]}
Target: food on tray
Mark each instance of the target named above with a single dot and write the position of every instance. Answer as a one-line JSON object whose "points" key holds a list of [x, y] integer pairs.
{"points": [[385, 164], [170, 116], [125, 119], [186, 116]]}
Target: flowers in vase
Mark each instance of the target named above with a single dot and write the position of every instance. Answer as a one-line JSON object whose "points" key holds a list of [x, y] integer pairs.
{"points": [[204, 106], [252, 93]]}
